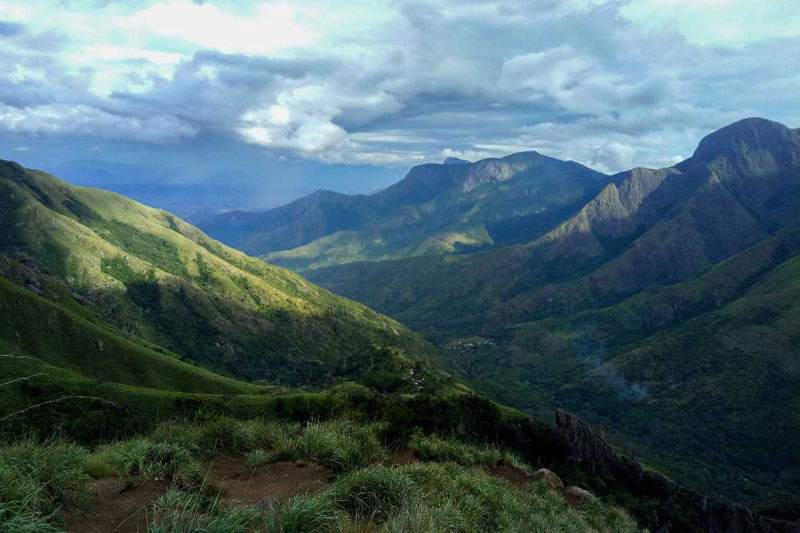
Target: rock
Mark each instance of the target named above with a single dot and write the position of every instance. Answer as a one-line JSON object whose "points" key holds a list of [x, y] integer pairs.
{"points": [[549, 477], [576, 496]]}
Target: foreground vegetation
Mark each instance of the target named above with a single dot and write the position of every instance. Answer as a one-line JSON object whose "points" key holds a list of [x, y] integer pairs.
{"points": [[41, 483]]}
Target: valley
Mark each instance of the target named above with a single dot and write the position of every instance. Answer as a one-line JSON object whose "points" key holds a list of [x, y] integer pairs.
{"points": [[662, 307]]}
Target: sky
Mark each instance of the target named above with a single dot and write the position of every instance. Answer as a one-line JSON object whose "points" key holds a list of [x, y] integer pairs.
{"points": [[192, 105]]}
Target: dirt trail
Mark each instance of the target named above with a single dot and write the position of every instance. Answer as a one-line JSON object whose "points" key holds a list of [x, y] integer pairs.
{"points": [[119, 509], [266, 484]]}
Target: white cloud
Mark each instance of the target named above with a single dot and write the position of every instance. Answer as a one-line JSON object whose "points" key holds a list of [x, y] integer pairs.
{"points": [[608, 84], [263, 29], [80, 120]]}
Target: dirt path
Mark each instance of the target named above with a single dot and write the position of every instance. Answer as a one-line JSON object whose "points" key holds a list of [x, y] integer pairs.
{"points": [[266, 484], [117, 508]]}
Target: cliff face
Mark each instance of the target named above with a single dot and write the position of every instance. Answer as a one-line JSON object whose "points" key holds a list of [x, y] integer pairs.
{"points": [[679, 509]]}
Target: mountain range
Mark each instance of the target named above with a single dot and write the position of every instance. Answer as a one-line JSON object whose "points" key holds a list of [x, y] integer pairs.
{"points": [[119, 319], [660, 304]]}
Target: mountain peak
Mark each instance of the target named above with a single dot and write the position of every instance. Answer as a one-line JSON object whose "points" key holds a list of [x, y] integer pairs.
{"points": [[456, 161], [755, 134]]}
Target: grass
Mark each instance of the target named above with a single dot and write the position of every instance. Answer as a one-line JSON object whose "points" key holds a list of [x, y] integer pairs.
{"points": [[435, 448], [161, 282], [97, 351], [39, 481]]}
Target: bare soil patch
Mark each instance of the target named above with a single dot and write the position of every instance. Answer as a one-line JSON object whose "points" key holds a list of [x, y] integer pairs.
{"points": [[515, 476], [117, 508], [267, 483]]}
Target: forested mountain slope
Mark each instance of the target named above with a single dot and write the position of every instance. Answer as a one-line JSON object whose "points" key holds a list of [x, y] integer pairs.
{"points": [[156, 278], [434, 209], [664, 305]]}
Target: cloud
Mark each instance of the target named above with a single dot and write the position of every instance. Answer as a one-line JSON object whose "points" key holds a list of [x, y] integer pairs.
{"points": [[11, 29], [80, 120], [261, 29], [609, 84]]}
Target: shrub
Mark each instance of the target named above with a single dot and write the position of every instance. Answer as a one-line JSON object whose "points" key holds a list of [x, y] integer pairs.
{"points": [[434, 448], [302, 514], [152, 460], [374, 492], [14, 519], [40, 478], [179, 512], [341, 445], [256, 458]]}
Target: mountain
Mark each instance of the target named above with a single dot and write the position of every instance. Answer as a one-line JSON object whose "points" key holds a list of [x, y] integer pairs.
{"points": [[434, 209], [160, 280], [110, 310], [662, 306]]}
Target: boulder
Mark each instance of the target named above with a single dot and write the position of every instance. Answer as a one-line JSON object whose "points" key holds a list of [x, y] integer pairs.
{"points": [[549, 477], [576, 496]]}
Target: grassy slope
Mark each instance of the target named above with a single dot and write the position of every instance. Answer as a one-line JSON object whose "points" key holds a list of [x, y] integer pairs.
{"points": [[44, 481], [36, 326], [160, 279], [409, 219]]}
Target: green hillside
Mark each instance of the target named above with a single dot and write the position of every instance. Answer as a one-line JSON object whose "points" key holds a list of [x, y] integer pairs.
{"points": [[159, 279], [434, 209], [662, 307]]}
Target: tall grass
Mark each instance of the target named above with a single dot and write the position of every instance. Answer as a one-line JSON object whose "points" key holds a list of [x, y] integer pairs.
{"points": [[435, 448], [38, 480], [340, 445]]}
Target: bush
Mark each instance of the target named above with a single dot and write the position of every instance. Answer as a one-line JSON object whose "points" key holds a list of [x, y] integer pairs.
{"points": [[179, 512], [151, 460], [38, 479], [374, 492], [341, 445], [14, 519], [303, 514], [256, 458], [434, 448]]}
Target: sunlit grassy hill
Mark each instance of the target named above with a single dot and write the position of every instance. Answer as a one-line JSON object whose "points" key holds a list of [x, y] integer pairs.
{"points": [[161, 280]]}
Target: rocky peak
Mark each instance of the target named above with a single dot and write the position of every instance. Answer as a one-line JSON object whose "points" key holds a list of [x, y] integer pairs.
{"points": [[741, 142], [456, 161]]}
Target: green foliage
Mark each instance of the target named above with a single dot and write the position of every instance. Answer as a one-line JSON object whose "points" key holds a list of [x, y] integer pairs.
{"points": [[186, 512], [151, 460], [303, 514], [434, 448], [153, 249], [256, 458], [182, 291], [375, 492], [36, 480], [60, 336], [21, 519], [340, 445]]}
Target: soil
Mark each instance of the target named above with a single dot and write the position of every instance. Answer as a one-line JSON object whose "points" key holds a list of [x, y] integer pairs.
{"points": [[401, 458], [515, 476], [118, 508], [121, 508], [266, 484]]}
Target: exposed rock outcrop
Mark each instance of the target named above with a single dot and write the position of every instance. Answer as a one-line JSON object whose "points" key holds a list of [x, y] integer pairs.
{"points": [[549, 477], [576, 496]]}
